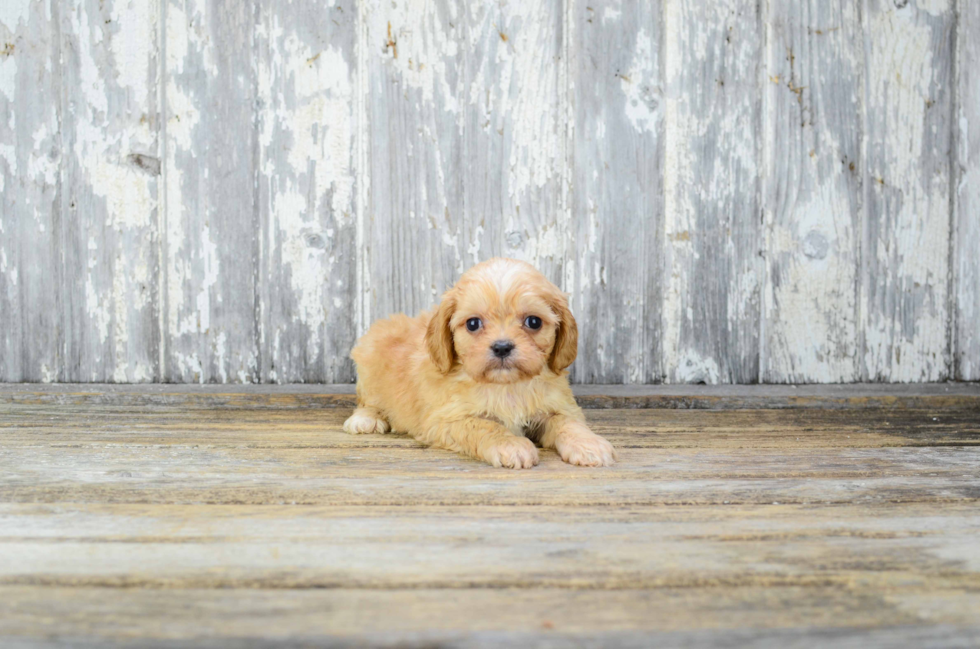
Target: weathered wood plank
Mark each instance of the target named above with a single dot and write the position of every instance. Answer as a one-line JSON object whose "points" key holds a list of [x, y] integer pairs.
{"points": [[615, 257], [414, 231], [513, 134], [211, 210], [907, 190], [307, 126], [482, 126], [464, 145], [787, 430], [258, 475], [891, 548], [965, 298], [746, 617], [959, 396], [712, 170], [815, 54], [31, 192], [111, 169], [715, 527]]}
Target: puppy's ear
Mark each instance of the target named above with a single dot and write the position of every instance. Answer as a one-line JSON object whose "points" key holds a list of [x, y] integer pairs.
{"points": [[439, 337], [566, 340]]}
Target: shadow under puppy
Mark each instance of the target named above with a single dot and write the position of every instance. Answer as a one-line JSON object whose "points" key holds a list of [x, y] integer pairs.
{"points": [[483, 375]]}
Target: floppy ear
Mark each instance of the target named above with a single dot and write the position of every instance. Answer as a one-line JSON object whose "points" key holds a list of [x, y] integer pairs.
{"points": [[566, 340], [439, 337]]}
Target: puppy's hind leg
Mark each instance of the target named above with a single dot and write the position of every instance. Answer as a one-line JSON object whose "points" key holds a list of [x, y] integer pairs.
{"points": [[366, 420]]}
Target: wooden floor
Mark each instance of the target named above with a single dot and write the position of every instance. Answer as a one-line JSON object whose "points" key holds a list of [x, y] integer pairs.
{"points": [[219, 518]]}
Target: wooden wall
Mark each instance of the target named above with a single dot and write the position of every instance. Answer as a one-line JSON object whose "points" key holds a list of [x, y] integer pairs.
{"points": [[732, 191]]}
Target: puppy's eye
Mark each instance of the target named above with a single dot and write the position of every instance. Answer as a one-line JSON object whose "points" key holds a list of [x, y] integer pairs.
{"points": [[473, 324], [532, 322]]}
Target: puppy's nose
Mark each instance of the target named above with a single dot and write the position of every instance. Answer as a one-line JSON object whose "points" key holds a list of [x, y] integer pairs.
{"points": [[502, 348]]}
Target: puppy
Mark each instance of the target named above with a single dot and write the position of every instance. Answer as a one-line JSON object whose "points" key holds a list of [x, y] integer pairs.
{"points": [[483, 375]]}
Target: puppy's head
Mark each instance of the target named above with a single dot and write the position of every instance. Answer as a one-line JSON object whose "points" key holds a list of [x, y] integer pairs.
{"points": [[503, 322]]}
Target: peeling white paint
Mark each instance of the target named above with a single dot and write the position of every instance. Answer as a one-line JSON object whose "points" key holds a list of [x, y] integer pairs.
{"points": [[692, 368], [189, 365], [311, 112], [474, 248], [91, 82], [611, 13], [905, 342], [316, 118], [546, 243], [485, 86], [8, 82], [211, 266], [678, 217], [9, 156], [98, 312], [9, 272], [526, 61], [966, 264], [133, 43], [639, 84], [220, 355], [934, 7], [421, 48], [183, 117], [198, 308], [321, 123], [815, 322], [122, 196], [175, 264], [452, 241], [41, 167], [14, 12], [810, 310], [710, 170]]}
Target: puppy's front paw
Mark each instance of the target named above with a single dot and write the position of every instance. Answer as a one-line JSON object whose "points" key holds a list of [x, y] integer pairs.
{"points": [[579, 445], [365, 421], [513, 453]]}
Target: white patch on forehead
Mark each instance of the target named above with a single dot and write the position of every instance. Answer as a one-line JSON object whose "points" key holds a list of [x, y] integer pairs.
{"points": [[503, 273], [509, 279]]}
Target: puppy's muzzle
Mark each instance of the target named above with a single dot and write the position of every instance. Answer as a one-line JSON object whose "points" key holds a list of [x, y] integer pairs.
{"points": [[502, 348]]}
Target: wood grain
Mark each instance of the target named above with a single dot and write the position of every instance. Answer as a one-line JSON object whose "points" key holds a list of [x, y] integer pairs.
{"points": [[772, 617], [157, 522], [211, 210], [165, 455], [31, 193], [871, 396], [155, 475], [415, 221], [269, 427], [513, 134], [472, 548], [814, 93], [965, 298], [206, 193], [307, 187], [712, 171], [111, 170], [907, 184], [617, 209], [463, 145]]}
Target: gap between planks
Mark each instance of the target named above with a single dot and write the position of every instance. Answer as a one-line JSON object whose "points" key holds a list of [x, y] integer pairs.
{"points": [[682, 397]]}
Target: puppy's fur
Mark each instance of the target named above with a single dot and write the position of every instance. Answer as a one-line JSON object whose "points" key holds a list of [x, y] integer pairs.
{"points": [[442, 383]]}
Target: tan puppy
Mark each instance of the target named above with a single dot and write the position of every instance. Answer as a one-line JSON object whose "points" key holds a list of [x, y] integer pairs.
{"points": [[482, 375]]}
